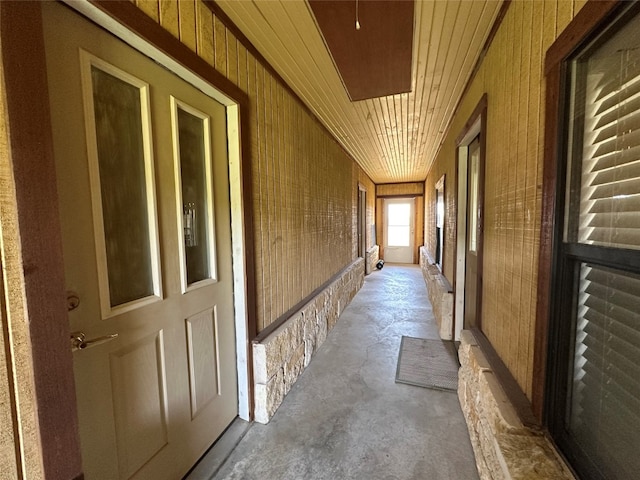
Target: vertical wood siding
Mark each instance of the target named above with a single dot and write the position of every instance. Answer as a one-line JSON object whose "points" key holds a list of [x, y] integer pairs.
{"points": [[512, 76], [304, 184]]}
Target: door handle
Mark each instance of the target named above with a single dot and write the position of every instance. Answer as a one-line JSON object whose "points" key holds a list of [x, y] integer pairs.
{"points": [[79, 341]]}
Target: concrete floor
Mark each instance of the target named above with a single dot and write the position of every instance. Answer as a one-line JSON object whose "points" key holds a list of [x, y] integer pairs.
{"points": [[346, 418]]}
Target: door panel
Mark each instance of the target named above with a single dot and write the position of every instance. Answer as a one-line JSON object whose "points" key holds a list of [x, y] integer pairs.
{"points": [[399, 230], [204, 366], [154, 399], [138, 376]]}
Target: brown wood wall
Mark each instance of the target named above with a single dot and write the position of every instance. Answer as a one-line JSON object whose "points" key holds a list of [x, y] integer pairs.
{"points": [[512, 76], [399, 189], [304, 184]]}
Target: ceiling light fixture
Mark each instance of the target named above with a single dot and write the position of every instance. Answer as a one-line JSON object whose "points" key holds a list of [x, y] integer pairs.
{"points": [[357, 22]]}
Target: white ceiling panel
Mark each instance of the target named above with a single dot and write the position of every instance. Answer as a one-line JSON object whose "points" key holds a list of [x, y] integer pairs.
{"points": [[394, 138]]}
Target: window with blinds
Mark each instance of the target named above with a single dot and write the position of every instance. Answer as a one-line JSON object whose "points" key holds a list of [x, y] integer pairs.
{"points": [[607, 175], [600, 257]]}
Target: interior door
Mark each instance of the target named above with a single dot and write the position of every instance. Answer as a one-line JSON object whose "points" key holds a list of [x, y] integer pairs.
{"points": [[142, 176], [399, 220], [473, 250]]}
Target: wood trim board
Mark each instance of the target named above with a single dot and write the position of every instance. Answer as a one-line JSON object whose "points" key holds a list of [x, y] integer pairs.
{"points": [[31, 144]]}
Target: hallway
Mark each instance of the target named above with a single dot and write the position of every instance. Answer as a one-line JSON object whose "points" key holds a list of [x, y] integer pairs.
{"points": [[346, 418]]}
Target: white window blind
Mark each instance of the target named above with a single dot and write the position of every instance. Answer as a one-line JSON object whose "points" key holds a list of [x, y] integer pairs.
{"points": [[605, 404], [610, 183]]}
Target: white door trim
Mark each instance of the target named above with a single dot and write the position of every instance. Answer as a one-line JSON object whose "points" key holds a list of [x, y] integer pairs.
{"points": [[411, 248], [237, 208], [461, 241]]}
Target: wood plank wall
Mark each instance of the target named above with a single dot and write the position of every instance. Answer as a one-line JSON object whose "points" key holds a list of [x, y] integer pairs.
{"points": [[304, 185], [512, 76]]}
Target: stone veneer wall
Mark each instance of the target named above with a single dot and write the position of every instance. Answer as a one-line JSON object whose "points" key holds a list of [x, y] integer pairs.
{"points": [[504, 448], [281, 358], [372, 257], [440, 295]]}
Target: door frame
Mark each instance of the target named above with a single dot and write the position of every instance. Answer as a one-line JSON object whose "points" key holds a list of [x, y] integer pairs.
{"points": [[51, 441], [362, 221], [473, 127], [385, 221], [103, 17]]}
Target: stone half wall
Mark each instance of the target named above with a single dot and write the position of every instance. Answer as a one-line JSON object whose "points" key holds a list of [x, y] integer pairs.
{"points": [[373, 255], [504, 448], [440, 295], [280, 359]]}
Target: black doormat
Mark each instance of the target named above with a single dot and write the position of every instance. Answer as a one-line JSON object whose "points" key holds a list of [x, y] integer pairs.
{"points": [[428, 363]]}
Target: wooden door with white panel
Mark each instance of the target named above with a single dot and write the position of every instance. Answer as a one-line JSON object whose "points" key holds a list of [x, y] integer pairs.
{"points": [[142, 172]]}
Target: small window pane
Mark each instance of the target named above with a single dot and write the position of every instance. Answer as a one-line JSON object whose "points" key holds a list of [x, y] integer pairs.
{"points": [[196, 208], [123, 186], [399, 214], [474, 165], [604, 407], [399, 236], [605, 148]]}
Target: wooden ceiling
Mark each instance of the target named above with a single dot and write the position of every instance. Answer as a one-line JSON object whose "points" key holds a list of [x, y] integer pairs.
{"points": [[374, 59], [394, 138]]}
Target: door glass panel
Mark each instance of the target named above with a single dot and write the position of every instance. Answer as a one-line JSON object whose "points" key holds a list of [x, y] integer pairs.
{"points": [[474, 161], [398, 236], [123, 180], [194, 166], [399, 225]]}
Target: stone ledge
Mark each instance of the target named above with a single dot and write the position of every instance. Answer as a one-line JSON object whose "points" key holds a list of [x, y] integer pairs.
{"points": [[440, 295], [372, 257], [504, 448], [280, 358]]}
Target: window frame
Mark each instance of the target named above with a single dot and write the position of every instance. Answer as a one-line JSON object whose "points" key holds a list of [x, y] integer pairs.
{"points": [[558, 258], [440, 227], [209, 218]]}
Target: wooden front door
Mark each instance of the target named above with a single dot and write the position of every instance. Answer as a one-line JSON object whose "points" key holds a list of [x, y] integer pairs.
{"points": [[142, 174]]}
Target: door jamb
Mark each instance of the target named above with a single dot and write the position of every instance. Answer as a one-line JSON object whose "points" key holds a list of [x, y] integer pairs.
{"points": [[385, 219], [42, 404], [475, 125], [362, 221]]}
